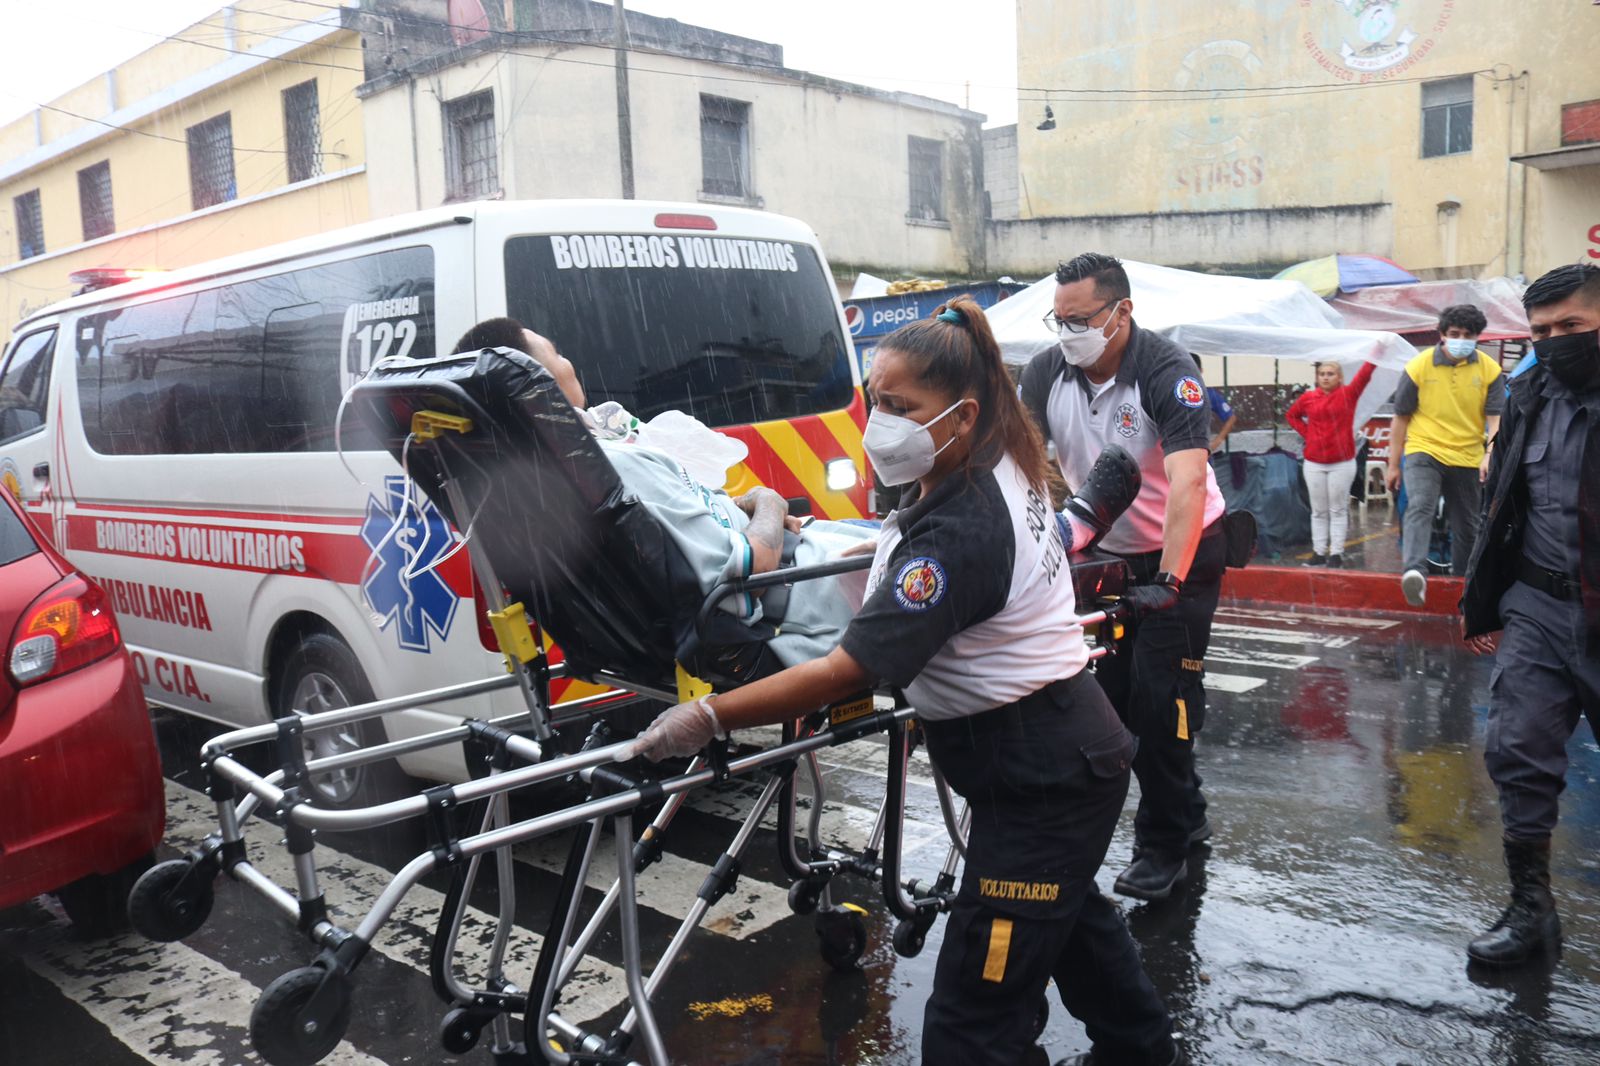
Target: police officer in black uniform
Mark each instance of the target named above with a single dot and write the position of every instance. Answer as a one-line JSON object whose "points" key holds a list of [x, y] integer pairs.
{"points": [[970, 609], [1107, 382], [1533, 589]]}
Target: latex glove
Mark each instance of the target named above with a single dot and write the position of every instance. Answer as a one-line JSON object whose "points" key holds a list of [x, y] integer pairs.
{"points": [[679, 732], [1148, 599]]}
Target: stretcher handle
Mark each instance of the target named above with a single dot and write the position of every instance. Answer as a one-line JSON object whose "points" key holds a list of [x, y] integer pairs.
{"points": [[773, 578]]}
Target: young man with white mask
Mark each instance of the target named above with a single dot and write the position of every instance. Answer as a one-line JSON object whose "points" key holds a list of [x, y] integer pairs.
{"points": [[1446, 406], [1107, 382]]}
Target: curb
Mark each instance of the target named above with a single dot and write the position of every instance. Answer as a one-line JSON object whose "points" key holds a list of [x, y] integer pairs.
{"points": [[1344, 589]]}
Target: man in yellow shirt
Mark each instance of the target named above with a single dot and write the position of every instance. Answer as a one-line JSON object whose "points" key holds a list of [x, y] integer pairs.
{"points": [[1446, 406]]}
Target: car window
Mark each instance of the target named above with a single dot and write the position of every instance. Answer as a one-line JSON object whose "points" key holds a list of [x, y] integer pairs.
{"points": [[25, 385], [16, 540]]}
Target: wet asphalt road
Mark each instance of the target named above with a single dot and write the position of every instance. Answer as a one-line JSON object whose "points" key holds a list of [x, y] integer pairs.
{"points": [[1356, 852]]}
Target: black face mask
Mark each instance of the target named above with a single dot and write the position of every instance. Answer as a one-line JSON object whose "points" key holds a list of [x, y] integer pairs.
{"points": [[1574, 359]]}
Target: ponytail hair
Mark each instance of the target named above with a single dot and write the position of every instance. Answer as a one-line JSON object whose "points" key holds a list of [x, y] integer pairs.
{"points": [[955, 352]]}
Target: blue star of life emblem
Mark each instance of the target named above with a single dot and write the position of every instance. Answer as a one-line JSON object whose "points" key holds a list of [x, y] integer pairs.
{"points": [[399, 584]]}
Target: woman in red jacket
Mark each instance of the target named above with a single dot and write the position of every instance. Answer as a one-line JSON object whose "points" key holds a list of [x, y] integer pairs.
{"points": [[1325, 417]]}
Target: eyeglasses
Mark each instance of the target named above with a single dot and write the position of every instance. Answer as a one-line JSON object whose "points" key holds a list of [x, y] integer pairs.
{"points": [[1075, 325]]}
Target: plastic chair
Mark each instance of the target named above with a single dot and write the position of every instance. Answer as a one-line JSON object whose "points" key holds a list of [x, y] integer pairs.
{"points": [[1377, 486]]}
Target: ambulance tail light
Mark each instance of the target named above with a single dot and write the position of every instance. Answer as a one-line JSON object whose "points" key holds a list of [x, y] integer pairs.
{"points": [[705, 222], [70, 626], [841, 474]]}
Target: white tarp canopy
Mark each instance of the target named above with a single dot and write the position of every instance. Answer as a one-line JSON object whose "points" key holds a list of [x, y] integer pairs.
{"points": [[1218, 315], [1415, 308]]}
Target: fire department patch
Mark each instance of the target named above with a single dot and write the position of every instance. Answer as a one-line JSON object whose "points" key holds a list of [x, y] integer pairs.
{"points": [[1189, 392], [1127, 420], [919, 585]]}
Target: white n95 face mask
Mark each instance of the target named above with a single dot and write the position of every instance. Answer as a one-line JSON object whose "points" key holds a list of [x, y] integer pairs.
{"points": [[899, 448], [1086, 348]]}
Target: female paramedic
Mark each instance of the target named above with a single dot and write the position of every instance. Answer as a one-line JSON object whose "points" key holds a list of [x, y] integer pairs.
{"points": [[970, 609]]}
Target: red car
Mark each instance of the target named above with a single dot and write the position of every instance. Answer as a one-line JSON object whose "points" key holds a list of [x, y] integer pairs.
{"points": [[82, 805]]}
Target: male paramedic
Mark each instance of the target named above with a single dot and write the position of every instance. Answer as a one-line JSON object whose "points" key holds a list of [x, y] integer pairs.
{"points": [[1533, 590], [1108, 382], [721, 537]]}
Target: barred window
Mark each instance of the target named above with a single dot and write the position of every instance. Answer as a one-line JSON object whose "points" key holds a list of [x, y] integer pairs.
{"points": [[302, 131], [471, 162], [30, 224], [211, 179], [94, 200], [927, 179], [1447, 117], [724, 146]]}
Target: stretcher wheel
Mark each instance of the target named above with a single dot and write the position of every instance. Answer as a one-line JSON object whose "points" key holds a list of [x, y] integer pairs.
{"points": [[842, 937], [803, 896], [909, 936], [171, 900], [459, 1031], [282, 1028]]}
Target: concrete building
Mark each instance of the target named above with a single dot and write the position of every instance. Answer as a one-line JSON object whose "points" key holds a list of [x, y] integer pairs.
{"points": [[239, 131], [522, 103], [1247, 134]]}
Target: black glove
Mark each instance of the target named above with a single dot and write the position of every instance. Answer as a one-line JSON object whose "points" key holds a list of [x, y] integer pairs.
{"points": [[1160, 595], [1112, 484]]}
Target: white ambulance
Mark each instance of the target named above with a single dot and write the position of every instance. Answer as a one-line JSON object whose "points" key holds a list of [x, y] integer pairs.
{"points": [[175, 434]]}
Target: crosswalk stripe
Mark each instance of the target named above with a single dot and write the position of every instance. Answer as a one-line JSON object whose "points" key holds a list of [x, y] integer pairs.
{"points": [[1297, 619], [1225, 653], [1281, 636], [170, 1003], [1234, 683]]}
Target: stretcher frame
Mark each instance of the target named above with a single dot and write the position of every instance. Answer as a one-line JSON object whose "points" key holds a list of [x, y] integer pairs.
{"points": [[301, 1016]]}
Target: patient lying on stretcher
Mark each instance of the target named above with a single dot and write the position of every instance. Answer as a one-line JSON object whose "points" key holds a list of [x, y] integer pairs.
{"points": [[722, 537]]}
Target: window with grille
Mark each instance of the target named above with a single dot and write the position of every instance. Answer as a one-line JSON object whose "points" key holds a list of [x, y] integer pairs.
{"points": [[302, 131], [211, 179], [1447, 117], [30, 225], [927, 179], [94, 200], [471, 162], [724, 146]]}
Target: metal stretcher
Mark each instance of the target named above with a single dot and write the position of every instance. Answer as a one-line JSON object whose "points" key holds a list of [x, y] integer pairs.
{"points": [[553, 536]]}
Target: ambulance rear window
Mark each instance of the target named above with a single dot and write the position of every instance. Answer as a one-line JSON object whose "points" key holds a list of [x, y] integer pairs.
{"points": [[730, 330]]}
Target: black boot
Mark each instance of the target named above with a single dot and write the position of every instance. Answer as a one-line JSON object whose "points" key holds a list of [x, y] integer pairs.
{"points": [[1530, 924], [1152, 875]]}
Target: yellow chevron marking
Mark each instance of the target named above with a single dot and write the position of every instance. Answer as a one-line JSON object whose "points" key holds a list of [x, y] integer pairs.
{"points": [[848, 434], [796, 454]]}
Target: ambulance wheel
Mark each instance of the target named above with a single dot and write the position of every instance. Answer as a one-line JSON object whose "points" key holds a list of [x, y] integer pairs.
{"points": [[842, 938], [459, 1031], [909, 938], [321, 673], [167, 903], [282, 1030], [803, 896], [1041, 1019]]}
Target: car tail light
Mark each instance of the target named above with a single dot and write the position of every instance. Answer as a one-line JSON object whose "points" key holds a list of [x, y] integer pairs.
{"points": [[70, 626]]}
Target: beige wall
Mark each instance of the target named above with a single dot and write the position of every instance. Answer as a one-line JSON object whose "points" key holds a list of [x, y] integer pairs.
{"points": [[156, 224], [1564, 216], [838, 160], [1282, 149]]}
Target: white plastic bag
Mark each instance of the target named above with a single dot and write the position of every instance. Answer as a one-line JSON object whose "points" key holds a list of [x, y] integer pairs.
{"points": [[706, 454]]}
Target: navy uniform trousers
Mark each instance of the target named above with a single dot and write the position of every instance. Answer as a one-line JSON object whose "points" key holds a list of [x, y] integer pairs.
{"points": [[1157, 686], [1543, 682], [1045, 779]]}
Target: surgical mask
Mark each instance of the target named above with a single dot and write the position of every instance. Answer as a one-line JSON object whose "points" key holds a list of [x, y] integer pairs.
{"points": [[1460, 347], [901, 449], [1086, 348], [1574, 359]]}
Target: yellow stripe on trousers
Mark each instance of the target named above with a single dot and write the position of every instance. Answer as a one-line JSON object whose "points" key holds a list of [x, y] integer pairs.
{"points": [[994, 967]]}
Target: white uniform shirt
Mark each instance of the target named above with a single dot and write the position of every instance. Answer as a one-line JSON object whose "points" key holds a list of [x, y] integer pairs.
{"points": [[1154, 406], [969, 601]]}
